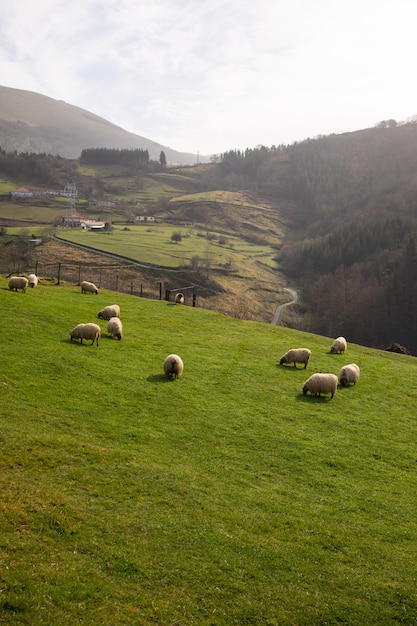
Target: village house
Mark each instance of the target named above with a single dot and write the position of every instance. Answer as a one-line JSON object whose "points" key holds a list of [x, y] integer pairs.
{"points": [[141, 219], [83, 222], [22, 192]]}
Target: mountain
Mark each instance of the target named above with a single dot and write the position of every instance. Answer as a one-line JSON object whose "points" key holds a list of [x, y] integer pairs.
{"points": [[31, 122]]}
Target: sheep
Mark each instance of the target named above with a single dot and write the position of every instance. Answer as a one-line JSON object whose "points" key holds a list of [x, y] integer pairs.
{"points": [[173, 366], [87, 287], [18, 282], [86, 331], [114, 327], [349, 374], [321, 383], [339, 345], [113, 310], [33, 280], [296, 355], [179, 298]]}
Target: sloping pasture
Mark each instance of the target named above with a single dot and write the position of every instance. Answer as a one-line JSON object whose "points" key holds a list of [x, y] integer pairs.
{"points": [[225, 497], [153, 244]]}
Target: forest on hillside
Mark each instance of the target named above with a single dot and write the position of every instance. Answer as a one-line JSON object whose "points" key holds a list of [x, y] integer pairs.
{"points": [[352, 249]]}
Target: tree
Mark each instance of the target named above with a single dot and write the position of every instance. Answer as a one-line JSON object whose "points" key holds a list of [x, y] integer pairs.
{"points": [[162, 159], [176, 237]]}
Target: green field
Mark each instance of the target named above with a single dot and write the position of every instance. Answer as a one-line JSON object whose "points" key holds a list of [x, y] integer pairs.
{"points": [[223, 498], [153, 244]]}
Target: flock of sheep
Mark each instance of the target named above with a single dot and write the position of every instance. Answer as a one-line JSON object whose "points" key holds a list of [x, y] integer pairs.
{"points": [[173, 364], [91, 331], [323, 383]]}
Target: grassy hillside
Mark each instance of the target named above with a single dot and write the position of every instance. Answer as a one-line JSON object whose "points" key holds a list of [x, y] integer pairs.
{"points": [[225, 497], [153, 244], [31, 122]]}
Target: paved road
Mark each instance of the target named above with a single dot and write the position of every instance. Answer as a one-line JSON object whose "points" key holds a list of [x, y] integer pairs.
{"points": [[279, 308]]}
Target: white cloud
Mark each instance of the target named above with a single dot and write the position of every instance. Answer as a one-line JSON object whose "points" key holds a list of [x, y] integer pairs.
{"points": [[219, 74]]}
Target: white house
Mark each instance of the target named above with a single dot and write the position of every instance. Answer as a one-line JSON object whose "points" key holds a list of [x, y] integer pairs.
{"points": [[22, 192], [141, 219]]}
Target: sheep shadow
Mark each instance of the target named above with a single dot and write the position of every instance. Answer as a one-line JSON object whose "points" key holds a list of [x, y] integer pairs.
{"points": [[290, 368], [305, 397], [76, 342], [159, 378]]}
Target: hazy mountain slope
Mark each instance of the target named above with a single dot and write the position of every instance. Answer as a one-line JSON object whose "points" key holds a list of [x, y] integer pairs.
{"points": [[31, 122]]}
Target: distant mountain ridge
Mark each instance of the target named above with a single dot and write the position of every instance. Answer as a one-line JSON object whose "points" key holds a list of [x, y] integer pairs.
{"points": [[31, 122]]}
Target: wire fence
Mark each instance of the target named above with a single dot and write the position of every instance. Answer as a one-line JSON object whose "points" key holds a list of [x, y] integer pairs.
{"points": [[122, 278]]}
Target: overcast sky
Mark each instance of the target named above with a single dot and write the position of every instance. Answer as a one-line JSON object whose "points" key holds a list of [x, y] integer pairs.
{"points": [[213, 75]]}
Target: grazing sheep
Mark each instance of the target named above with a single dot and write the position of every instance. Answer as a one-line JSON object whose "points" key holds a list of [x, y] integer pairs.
{"points": [[296, 355], [339, 345], [18, 282], [87, 287], [86, 331], [349, 374], [321, 383], [113, 310], [173, 366], [33, 280], [179, 298], [114, 327]]}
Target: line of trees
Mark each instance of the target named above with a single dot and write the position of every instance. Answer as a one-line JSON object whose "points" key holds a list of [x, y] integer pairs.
{"points": [[45, 169], [114, 156]]}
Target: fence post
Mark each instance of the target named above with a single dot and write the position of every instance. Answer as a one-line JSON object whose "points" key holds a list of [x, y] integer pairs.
{"points": [[160, 290], [167, 293], [79, 274], [59, 273], [141, 292], [131, 288], [194, 299]]}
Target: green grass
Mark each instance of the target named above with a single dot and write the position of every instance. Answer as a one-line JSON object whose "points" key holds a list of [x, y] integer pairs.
{"points": [[36, 214], [224, 197], [223, 498], [153, 244]]}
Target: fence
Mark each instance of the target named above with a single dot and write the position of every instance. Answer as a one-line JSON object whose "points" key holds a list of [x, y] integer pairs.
{"points": [[114, 277]]}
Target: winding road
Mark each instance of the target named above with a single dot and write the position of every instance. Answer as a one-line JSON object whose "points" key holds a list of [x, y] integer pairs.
{"points": [[279, 308]]}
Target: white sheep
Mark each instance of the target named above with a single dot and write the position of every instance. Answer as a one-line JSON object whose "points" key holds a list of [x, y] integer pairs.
{"points": [[339, 345], [113, 310], [179, 298], [173, 366], [321, 383], [87, 287], [33, 280], [86, 331], [18, 282], [349, 374], [114, 327], [296, 355]]}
